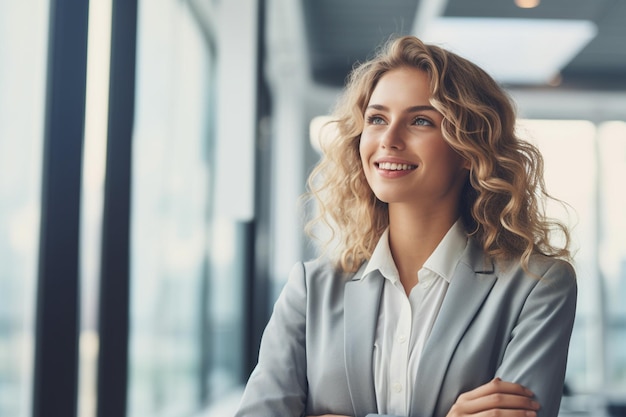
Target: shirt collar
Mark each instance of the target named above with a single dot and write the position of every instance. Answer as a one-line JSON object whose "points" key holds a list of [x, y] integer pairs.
{"points": [[446, 255], [442, 261], [382, 260]]}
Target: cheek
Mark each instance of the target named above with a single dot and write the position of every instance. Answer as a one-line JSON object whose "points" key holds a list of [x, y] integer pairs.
{"points": [[449, 154], [458, 165], [367, 144]]}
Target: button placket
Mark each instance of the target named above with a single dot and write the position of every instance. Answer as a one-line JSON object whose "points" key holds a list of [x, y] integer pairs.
{"points": [[400, 358]]}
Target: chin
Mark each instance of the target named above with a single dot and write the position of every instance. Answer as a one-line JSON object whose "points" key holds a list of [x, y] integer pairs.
{"points": [[386, 198]]}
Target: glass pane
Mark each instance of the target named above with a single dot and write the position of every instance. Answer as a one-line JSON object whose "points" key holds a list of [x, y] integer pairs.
{"points": [[612, 248], [94, 160], [568, 147], [170, 208], [225, 311], [23, 45]]}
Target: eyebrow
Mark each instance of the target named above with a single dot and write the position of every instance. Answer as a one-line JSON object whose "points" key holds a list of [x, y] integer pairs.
{"points": [[412, 109]]}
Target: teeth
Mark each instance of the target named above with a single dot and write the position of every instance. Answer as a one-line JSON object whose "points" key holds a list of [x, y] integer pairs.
{"points": [[392, 166]]}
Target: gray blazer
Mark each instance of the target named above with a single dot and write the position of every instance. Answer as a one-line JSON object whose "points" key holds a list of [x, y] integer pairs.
{"points": [[316, 352]]}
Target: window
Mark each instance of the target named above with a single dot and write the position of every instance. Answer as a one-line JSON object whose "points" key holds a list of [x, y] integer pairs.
{"points": [[186, 345], [612, 249], [23, 36], [171, 205]]}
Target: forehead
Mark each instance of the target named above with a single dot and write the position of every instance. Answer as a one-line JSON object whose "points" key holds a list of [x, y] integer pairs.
{"points": [[402, 84]]}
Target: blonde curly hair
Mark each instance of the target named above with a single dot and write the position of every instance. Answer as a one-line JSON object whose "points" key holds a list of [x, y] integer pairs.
{"points": [[502, 201]]}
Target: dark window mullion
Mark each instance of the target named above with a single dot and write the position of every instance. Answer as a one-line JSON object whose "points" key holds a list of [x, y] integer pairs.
{"points": [[115, 266], [56, 338]]}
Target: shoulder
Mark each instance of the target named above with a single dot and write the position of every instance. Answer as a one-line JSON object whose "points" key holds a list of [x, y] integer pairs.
{"points": [[543, 266], [545, 275], [540, 267], [319, 277], [320, 269]]}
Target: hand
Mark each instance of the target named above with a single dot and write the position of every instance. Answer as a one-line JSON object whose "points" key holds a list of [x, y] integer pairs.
{"points": [[505, 398]]}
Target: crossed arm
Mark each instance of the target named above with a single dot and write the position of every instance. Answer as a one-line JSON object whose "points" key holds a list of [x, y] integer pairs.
{"points": [[497, 397]]}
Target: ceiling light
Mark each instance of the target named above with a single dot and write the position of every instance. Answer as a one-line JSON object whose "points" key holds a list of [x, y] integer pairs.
{"points": [[527, 4], [513, 51]]}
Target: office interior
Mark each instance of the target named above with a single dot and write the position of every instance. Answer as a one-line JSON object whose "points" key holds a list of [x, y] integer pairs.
{"points": [[152, 155]]}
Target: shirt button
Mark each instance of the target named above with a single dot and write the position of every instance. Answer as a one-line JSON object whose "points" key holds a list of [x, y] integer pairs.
{"points": [[401, 338], [397, 387]]}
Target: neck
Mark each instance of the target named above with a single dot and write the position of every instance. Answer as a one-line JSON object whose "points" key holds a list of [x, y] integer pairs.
{"points": [[414, 236]]}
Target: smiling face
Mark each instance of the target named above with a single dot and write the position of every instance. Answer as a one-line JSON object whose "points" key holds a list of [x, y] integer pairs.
{"points": [[404, 155]]}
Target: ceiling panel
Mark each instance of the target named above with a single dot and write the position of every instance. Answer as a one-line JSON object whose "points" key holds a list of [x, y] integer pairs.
{"points": [[342, 32], [600, 65]]}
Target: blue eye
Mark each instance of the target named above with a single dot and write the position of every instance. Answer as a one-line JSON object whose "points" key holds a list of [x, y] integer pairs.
{"points": [[375, 120], [420, 121]]}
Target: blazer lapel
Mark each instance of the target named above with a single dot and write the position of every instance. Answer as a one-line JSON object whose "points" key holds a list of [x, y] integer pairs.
{"points": [[470, 285], [361, 303]]}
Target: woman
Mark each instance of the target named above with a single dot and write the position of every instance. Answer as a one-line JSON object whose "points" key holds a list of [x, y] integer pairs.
{"points": [[442, 294]]}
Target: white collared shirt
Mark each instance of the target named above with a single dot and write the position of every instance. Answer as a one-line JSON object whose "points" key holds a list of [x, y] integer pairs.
{"points": [[404, 323]]}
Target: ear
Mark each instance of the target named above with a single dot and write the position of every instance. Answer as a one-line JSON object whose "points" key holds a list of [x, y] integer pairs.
{"points": [[466, 164]]}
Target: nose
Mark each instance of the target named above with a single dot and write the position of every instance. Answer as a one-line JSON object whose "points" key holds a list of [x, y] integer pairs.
{"points": [[392, 137]]}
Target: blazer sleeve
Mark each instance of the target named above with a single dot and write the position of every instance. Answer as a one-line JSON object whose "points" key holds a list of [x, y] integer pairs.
{"points": [[536, 355], [277, 386]]}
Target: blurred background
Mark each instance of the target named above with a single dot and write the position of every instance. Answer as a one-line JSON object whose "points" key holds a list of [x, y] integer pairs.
{"points": [[151, 158]]}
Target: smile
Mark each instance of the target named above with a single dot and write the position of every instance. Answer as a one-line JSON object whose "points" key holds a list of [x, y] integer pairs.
{"points": [[392, 166]]}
